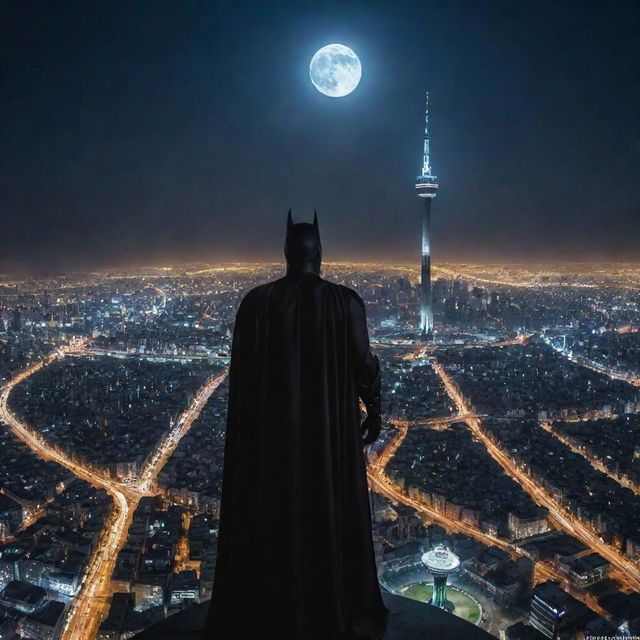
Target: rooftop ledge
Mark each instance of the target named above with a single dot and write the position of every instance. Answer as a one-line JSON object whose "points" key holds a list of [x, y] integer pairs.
{"points": [[408, 620]]}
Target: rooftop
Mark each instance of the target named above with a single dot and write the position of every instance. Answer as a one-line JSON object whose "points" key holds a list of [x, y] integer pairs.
{"points": [[17, 591], [49, 614], [408, 620]]}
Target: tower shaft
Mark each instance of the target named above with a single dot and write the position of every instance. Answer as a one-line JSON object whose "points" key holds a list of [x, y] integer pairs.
{"points": [[439, 597], [426, 296]]}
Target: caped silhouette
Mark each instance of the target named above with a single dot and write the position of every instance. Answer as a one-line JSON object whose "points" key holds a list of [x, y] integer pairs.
{"points": [[295, 551]]}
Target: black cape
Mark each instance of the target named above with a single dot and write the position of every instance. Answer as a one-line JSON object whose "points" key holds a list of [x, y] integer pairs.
{"points": [[295, 551]]}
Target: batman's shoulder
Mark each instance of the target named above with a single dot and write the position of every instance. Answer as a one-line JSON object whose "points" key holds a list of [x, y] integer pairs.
{"points": [[347, 292], [256, 296], [345, 299], [338, 290], [351, 297]]}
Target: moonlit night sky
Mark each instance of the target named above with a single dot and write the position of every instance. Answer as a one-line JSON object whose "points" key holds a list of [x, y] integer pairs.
{"points": [[162, 132]]}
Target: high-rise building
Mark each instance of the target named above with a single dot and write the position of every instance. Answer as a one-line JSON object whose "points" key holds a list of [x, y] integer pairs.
{"points": [[426, 186], [548, 609]]}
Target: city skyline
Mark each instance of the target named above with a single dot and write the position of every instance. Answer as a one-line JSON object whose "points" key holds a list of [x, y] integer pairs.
{"points": [[192, 142]]}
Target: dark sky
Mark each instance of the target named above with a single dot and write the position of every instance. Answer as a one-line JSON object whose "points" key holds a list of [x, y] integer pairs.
{"points": [[152, 132]]}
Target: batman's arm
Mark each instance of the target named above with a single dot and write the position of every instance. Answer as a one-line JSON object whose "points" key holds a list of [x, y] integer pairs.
{"points": [[366, 367]]}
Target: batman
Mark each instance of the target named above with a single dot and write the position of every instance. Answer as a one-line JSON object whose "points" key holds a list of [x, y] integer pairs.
{"points": [[295, 557]]}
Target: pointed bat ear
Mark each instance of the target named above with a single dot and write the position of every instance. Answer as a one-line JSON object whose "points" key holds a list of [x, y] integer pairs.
{"points": [[315, 219], [289, 220]]}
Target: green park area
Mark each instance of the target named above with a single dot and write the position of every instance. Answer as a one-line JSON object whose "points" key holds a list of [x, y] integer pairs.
{"points": [[465, 607]]}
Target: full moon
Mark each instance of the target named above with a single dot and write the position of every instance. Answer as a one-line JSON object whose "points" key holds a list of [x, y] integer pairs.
{"points": [[335, 70]]}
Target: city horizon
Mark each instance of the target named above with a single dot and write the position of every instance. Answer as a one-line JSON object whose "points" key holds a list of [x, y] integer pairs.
{"points": [[408, 264]]}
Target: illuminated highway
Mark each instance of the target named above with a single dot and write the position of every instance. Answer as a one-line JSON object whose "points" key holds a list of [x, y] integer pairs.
{"points": [[436, 422], [31, 511], [426, 350], [89, 606], [614, 374], [114, 353], [620, 478], [171, 439], [567, 521]]}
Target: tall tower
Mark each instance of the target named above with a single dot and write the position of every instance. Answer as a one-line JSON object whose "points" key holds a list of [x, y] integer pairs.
{"points": [[441, 563], [426, 186]]}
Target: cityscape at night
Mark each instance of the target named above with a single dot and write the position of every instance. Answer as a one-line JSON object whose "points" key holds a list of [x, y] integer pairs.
{"points": [[504, 486], [512, 437]]}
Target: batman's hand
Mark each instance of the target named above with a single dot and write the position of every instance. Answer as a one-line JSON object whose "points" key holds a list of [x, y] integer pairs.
{"points": [[371, 426]]}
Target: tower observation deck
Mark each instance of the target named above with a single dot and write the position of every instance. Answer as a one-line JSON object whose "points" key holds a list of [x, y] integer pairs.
{"points": [[441, 562], [426, 187]]}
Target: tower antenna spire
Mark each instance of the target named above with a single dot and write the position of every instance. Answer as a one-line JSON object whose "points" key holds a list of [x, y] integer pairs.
{"points": [[426, 167]]}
